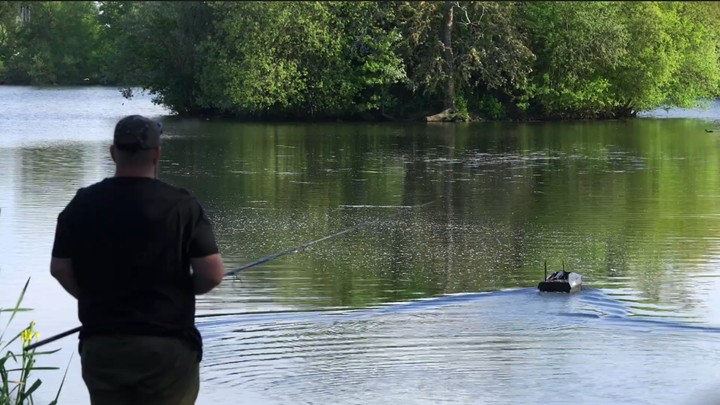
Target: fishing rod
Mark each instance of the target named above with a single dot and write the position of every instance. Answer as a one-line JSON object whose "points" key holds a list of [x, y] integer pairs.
{"points": [[239, 269]]}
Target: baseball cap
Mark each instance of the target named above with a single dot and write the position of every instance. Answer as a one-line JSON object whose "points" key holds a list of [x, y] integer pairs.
{"points": [[136, 132]]}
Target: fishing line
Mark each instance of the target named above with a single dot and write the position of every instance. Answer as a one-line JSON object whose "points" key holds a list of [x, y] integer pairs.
{"points": [[244, 267], [307, 245]]}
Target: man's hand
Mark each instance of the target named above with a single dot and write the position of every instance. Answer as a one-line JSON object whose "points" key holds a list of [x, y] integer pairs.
{"points": [[207, 272]]}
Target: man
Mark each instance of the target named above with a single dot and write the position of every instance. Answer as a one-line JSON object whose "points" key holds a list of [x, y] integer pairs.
{"points": [[135, 251]]}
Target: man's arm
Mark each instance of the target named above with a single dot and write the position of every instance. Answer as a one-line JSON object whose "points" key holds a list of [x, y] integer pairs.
{"points": [[207, 272], [61, 266], [207, 265], [62, 270]]}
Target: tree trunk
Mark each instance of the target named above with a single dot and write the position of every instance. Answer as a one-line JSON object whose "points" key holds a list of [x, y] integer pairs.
{"points": [[448, 53]]}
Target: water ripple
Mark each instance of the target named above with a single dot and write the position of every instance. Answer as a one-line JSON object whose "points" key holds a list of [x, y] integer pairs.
{"points": [[348, 353]]}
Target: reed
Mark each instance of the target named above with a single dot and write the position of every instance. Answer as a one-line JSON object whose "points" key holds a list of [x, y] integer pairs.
{"points": [[16, 384]]}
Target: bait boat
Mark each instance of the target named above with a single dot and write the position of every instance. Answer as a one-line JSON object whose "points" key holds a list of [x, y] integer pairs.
{"points": [[561, 281]]}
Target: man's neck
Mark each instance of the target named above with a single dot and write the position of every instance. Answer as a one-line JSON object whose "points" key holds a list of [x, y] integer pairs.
{"points": [[135, 172]]}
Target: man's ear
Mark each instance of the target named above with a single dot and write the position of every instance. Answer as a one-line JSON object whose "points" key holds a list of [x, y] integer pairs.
{"points": [[112, 153]]}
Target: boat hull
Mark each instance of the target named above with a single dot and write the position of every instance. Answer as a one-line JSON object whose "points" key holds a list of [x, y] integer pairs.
{"points": [[554, 286], [571, 284]]}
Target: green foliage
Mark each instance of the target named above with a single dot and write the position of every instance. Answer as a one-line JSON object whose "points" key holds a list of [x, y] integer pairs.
{"points": [[697, 35], [300, 59], [375, 66], [461, 106], [608, 59], [491, 108], [274, 56], [488, 47], [15, 386], [118, 36], [58, 44], [577, 44], [158, 48], [315, 60]]}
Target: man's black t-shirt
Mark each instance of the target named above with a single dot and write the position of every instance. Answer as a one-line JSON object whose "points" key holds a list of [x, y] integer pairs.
{"points": [[130, 240]]}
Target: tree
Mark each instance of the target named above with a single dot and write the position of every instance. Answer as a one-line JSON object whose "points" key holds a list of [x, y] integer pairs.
{"points": [[159, 48], [449, 66], [57, 44], [117, 24], [299, 59], [375, 60], [578, 44], [613, 59], [8, 15], [479, 51]]}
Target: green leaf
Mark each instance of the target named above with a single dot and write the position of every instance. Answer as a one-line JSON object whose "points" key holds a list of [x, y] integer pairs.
{"points": [[15, 310], [62, 382], [25, 395], [47, 352], [16, 337]]}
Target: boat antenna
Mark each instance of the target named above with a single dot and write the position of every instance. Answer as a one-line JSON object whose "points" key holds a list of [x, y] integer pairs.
{"points": [[563, 265], [545, 269]]}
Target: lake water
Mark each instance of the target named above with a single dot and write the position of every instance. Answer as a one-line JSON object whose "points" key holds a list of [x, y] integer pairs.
{"points": [[432, 299]]}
